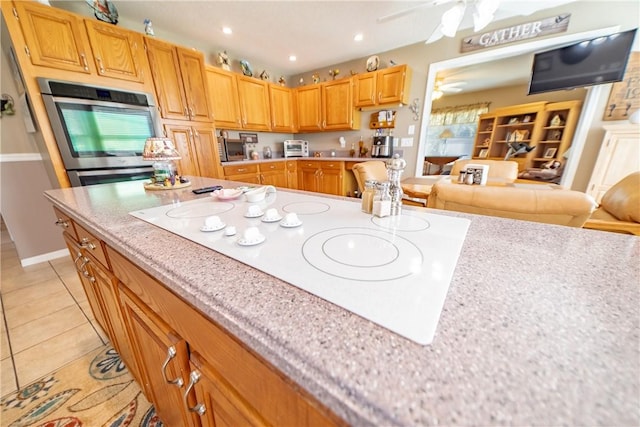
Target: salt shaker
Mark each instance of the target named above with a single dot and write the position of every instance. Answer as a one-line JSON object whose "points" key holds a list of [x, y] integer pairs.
{"points": [[382, 200]]}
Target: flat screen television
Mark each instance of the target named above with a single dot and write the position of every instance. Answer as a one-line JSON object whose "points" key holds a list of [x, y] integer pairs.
{"points": [[586, 63]]}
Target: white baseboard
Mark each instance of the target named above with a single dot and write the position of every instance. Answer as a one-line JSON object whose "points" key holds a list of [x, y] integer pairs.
{"points": [[44, 257]]}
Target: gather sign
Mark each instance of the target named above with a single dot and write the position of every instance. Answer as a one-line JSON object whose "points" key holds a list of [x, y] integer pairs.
{"points": [[529, 30]]}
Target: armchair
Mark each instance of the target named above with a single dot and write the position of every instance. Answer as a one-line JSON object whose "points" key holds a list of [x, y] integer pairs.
{"points": [[619, 210], [372, 169]]}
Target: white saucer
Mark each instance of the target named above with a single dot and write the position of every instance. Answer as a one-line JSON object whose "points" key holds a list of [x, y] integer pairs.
{"points": [[275, 219], [227, 194], [256, 241], [216, 228], [291, 224], [248, 215]]}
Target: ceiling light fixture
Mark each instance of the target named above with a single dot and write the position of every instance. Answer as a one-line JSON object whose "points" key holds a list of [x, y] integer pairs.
{"points": [[436, 94], [226, 30], [292, 58], [358, 37]]}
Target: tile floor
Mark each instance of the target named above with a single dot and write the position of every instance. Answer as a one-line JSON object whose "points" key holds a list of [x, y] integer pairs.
{"points": [[46, 319]]}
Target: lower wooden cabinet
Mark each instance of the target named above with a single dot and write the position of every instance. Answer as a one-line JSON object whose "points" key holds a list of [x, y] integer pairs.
{"points": [[321, 176], [292, 174], [267, 173], [193, 371], [198, 147]]}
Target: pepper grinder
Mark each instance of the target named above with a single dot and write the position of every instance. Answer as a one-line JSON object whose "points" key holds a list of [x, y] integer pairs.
{"points": [[395, 166]]}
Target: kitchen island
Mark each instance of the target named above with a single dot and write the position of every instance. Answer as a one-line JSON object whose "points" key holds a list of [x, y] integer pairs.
{"points": [[540, 325]]}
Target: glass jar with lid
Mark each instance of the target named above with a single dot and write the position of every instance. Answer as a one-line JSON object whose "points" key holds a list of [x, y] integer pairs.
{"points": [[368, 194]]}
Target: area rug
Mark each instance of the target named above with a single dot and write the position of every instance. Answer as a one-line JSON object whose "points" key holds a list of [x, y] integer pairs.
{"points": [[96, 390]]}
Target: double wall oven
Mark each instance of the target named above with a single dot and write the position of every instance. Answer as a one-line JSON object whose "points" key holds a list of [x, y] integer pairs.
{"points": [[100, 132]]}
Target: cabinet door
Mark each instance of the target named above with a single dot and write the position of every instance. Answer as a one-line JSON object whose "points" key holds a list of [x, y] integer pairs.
{"points": [[365, 89], [195, 84], [331, 179], [309, 99], [337, 105], [206, 147], [219, 404], [118, 53], [254, 103], [273, 173], [163, 360], [223, 91], [292, 174], [282, 109], [309, 176], [183, 138], [54, 38], [391, 85], [165, 68]]}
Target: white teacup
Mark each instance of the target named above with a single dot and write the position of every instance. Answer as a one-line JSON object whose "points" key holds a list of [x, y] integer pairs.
{"points": [[258, 194], [254, 210], [271, 214], [291, 218], [251, 234], [212, 221]]}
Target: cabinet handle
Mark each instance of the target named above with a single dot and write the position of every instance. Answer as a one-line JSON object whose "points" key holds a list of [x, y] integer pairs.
{"points": [[86, 243], [100, 65], [62, 223], [84, 61], [75, 261], [242, 170], [171, 353], [200, 409], [191, 112], [195, 132], [83, 268], [379, 96], [186, 111]]}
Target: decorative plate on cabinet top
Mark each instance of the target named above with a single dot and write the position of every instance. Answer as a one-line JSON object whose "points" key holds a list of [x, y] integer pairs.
{"points": [[246, 68], [372, 63]]}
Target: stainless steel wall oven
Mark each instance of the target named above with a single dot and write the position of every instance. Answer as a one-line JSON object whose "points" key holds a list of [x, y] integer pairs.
{"points": [[100, 132]]}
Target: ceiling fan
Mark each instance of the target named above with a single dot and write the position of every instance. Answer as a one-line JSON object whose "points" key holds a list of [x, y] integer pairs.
{"points": [[483, 15], [442, 87]]}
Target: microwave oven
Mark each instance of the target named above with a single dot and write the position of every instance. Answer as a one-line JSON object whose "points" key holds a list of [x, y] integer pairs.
{"points": [[232, 149], [296, 148]]}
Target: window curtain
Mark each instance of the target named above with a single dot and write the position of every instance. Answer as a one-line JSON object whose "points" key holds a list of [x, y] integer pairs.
{"points": [[460, 114]]}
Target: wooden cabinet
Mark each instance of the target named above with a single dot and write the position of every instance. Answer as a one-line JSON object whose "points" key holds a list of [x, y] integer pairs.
{"points": [[387, 86], [254, 103], [55, 38], [179, 80], [321, 176], [223, 91], [327, 106], [238, 102], [309, 105], [198, 147], [546, 127], [283, 112], [118, 53], [618, 157], [292, 174], [266, 173]]}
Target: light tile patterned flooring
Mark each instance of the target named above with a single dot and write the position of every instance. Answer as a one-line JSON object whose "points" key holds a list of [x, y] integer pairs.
{"points": [[46, 320]]}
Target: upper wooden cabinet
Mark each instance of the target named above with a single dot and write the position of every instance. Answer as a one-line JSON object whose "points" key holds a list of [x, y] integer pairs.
{"points": [[180, 81], [254, 103], [387, 86], [327, 106], [239, 102], [54, 38], [283, 112], [117, 53]]}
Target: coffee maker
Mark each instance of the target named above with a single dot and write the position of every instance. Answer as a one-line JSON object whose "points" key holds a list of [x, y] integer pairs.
{"points": [[382, 146]]}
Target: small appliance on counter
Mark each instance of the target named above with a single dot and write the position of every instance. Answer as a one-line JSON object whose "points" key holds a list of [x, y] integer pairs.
{"points": [[382, 146], [232, 149], [296, 148]]}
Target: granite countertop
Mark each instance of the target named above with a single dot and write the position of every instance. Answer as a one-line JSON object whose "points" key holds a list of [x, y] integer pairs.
{"points": [[325, 157], [541, 325]]}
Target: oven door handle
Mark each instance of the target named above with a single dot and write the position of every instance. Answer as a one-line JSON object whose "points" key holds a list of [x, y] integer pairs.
{"points": [[122, 171]]}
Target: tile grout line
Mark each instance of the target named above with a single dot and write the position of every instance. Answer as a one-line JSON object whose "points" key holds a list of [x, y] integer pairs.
{"points": [[6, 328]]}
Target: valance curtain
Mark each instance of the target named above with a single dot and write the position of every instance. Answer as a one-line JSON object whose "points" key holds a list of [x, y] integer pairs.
{"points": [[460, 114]]}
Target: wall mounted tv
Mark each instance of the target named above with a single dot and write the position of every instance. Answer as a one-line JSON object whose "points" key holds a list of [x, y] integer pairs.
{"points": [[586, 63]]}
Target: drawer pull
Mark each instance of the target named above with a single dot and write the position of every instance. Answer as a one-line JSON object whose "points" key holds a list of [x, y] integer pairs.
{"points": [[171, 353], [62, 223], [86, 243], [200, 409]]}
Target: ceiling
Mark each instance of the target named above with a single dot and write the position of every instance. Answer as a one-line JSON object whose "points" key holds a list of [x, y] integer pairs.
{"points": [[318, 33]]}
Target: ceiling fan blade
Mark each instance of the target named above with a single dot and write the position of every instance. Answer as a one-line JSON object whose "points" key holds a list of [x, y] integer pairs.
{"points": [[451, 89], [452, 85]]}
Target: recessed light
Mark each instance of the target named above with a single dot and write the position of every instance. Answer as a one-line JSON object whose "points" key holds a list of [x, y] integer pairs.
{"points": [[358, 37], [292, 58], [226, 30]]}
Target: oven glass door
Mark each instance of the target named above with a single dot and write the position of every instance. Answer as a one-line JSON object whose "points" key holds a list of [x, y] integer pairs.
{"points": [[95, 130]]}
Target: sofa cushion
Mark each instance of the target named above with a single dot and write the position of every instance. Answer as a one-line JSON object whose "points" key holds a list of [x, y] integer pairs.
{"points": [[623, 199]]}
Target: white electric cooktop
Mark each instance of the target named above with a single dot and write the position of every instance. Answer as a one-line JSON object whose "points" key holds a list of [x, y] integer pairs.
{"points": [[394, 271]]}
